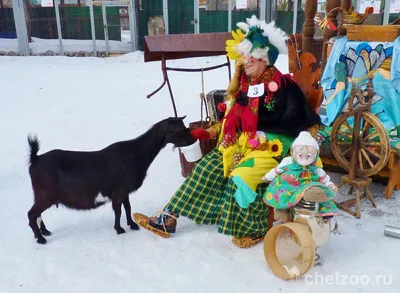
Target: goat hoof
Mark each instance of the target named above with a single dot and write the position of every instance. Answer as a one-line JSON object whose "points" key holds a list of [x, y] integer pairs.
{"points": [[120, 230], [45, 232], [134, 226], [41, 240]]}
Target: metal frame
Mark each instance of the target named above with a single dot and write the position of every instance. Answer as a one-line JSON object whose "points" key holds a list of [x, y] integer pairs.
{"points": [[386, 13], [131, 5], [264, 10], [165, 16], [269, 10], [263, 6], [133, 25], [90, 4], [295, 11], [195, 21], [105, 26], [57, 9], [20, 27], [196, 17], [229, 15], [166, 81]]}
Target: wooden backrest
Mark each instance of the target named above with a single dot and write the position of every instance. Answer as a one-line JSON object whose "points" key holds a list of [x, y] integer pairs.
{"points": [[301, 66]]}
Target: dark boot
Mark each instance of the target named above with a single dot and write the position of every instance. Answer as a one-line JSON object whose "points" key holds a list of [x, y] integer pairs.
{"points": [[164, 221], [162, 224]]}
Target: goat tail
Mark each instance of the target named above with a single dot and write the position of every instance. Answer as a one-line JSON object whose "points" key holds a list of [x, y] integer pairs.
{"points": [[34, 146]]}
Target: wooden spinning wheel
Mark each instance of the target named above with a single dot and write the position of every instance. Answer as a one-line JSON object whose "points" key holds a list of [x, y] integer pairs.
{"points": [[366, 142], [373, 151], [360, 143]]}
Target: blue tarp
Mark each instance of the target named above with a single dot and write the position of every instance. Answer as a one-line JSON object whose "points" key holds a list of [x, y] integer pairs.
{"points": [[354, 59]]}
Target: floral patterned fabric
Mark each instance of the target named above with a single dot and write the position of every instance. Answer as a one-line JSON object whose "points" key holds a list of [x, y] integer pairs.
{"points": [[288, 188]]}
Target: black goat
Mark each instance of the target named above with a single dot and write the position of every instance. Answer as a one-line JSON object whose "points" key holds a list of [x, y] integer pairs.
{"points": [[86, 180]]}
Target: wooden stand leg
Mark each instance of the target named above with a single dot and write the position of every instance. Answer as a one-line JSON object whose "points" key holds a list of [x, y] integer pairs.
{"points": [[341, 184], [358, 215], [357, 184], [394, 175], [389, 190], [370, 197], [347, 205]]}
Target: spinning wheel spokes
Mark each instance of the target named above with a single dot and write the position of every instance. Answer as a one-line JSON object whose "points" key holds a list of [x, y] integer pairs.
{"points": [[373, 152], [372, 135]]}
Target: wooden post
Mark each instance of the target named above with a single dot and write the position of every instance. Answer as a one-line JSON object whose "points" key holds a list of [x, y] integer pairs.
{"points": [[309, 25], [355, 160], [330, 4], [345, 4]]}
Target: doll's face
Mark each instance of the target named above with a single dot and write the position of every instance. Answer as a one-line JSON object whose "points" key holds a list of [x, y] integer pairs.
{"points": [[305, 155]]}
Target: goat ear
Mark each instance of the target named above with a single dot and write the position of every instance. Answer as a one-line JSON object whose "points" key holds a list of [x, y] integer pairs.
{"points": [[181, 118]]}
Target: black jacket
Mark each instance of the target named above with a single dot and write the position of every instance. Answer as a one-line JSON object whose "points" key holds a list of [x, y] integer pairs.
{"points": [[292, 113]]}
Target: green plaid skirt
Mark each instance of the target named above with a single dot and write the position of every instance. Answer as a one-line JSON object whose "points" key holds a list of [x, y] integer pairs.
{"points": [[206, 197]]}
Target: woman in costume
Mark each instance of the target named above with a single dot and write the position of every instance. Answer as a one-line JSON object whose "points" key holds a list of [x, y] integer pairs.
{"points": [[265, 111]]}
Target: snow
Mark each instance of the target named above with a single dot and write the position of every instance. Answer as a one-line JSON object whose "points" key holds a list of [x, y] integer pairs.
{"points": [[89, 103], [39, 46], [126, 36]]}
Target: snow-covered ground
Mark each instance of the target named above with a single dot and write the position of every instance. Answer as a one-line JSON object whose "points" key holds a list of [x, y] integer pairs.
{"points": [[40, 46], [88, 103], [125, 36]]}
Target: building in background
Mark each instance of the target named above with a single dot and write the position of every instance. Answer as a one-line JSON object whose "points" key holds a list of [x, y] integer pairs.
{"points": [[223, 4]]}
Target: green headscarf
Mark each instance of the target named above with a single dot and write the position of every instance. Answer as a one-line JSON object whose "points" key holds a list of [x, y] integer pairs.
{"points": [[256, 37]]}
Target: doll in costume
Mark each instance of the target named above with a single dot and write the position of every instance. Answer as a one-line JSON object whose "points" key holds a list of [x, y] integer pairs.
{"points": [[299, 177]]}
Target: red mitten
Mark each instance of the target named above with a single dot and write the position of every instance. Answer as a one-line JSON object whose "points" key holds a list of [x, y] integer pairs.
{"points": [[200, 134]]}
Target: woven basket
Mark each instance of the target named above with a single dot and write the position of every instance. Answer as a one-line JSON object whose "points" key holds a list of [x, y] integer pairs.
{"points": [[348, 17]]}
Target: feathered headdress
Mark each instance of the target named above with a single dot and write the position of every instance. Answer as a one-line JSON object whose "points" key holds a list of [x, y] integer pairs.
{"points": [[260, 39]]}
